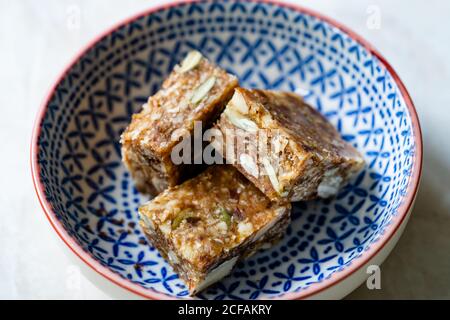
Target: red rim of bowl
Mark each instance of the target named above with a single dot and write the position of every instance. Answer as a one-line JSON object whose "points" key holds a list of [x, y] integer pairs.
{"points": [[335, 278]]}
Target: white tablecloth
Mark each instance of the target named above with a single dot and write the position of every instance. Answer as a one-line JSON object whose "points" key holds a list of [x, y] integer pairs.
{"points": [[38, 38]]}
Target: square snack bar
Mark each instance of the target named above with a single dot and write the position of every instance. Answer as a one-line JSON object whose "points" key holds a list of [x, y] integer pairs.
{"points": [[303, 156], [196, 90], [205, 225]]}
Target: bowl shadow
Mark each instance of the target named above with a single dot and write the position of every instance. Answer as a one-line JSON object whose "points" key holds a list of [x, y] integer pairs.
{"points": [[419, 265]]}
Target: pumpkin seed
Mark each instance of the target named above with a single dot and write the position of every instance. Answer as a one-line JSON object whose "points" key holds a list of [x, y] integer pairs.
{"points": [[239, 103], [240, 121], [181, 216]]}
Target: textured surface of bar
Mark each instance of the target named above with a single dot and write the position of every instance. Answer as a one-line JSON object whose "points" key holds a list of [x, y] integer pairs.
{"points": [[284, 146], [196, 90], [205, 225]]}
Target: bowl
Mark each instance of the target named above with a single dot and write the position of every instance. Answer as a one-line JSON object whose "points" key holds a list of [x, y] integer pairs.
{"points": [[89, 197]]}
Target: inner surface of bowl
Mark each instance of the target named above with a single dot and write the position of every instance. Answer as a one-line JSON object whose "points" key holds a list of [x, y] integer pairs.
{"points": [[266, 46]]}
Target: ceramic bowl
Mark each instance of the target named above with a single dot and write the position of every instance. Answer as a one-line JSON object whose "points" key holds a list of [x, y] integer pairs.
{"points": [[89, 197]]}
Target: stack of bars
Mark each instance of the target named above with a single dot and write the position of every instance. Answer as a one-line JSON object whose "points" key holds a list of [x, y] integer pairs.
{"points": [[272, 148]]}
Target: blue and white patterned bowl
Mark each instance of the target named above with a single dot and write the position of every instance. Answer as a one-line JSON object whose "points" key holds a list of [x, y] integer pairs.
{"points": [[89, 197]]}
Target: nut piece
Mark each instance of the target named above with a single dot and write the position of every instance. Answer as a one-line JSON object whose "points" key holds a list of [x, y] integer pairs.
{"points": [[240, 121], [272, 175], [239, 103], [225, 216], [330, 184], [202, 90], [210, 226], [168, 116], [299, 143], [183, 215], [191, 61]]}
